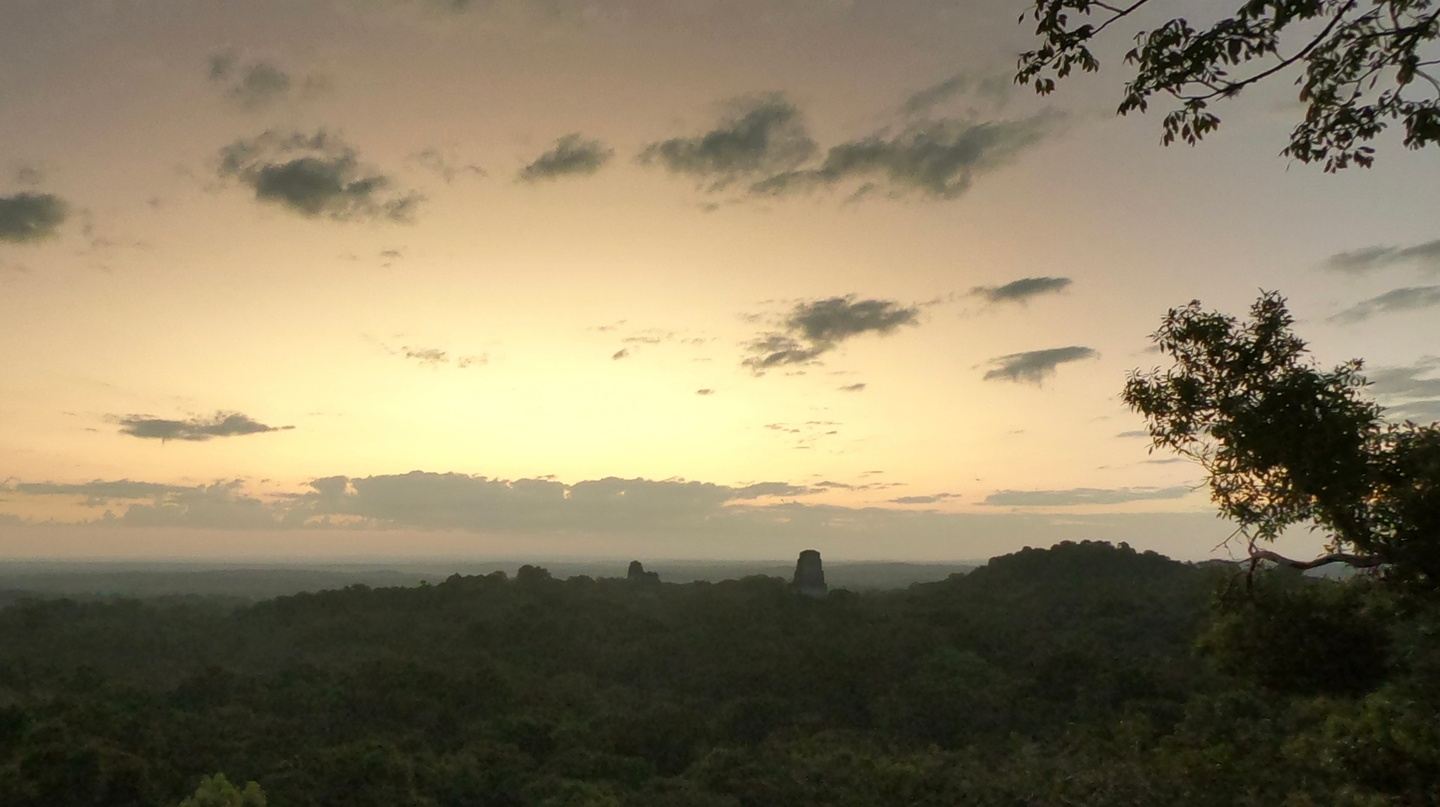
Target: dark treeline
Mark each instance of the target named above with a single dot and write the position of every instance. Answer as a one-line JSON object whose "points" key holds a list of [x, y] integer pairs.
{"points": [[1083, 674]]}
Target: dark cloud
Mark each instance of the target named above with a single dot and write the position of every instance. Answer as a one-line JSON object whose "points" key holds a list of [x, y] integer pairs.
{"points": [[776, 349], [993, 88], [254, 85], [622, 353], [922, 100], [1410, 298], [27, 217], [1409, 392], [1075, 496], [223, 424], [459, 501], [839, 318], [1134, 433], [444, 166], [853, 388], [658, 513], [1369, 259], [936, 159], [760, 135], [705, 391], [223, 505], [1022, 290], [572, 155], [315, 175], [1035, 366], [814, 328], [934, 498]]}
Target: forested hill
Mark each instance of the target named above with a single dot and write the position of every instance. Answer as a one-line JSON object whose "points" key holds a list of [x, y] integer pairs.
{"points": [[1061, 676], [260, 581]]}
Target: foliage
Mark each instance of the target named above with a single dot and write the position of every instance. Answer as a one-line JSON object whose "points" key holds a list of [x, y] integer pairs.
{"points": [[1363, 64], [1058, 676], [217, 791], [1285, 442]]}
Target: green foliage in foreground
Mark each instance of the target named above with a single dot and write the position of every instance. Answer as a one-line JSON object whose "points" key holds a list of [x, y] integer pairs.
{"points": [[1084, 674]]}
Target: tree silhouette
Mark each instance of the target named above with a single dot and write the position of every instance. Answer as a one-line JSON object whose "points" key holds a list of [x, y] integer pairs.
{"points": [[1285, 442]]}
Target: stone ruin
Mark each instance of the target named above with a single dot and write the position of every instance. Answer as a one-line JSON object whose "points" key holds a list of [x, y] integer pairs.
{"points": [[637, 574], [809, 574]]}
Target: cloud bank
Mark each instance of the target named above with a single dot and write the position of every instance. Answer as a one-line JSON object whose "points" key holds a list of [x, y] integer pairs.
{"points": [[666, 516]]}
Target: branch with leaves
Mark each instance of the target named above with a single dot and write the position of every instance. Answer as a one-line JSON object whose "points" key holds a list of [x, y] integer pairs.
{"points": [[1363, 65]]}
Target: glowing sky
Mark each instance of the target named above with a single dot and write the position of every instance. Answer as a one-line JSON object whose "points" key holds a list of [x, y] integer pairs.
{"points": [[679, 278]]}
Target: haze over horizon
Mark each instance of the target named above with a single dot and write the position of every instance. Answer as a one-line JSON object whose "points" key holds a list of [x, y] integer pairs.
{"points": [[699, 279]]}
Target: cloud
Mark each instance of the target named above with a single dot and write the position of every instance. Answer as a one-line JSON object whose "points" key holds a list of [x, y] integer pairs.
{"points": [[814, 328], [838, 318], [460, 501], [98, 491], [1134, 433], [993, 88], [1424, 256], [221, 505], [934, 498], [670, 517], [445, 166], [28, 174], [28, 217], [760, 135], [852, 388], [1408, 392], [572, 155], [936, 159], [622, 353], [435, 357], [1035, 366], [1022, 290], [426, 355], [252, 86], [1410, 298], [922, 100], [315, 176], [705, 391], [1078, 496], [223, 424]]}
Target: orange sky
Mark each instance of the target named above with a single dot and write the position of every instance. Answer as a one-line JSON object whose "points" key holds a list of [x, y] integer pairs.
{"points": [[376, 267]]}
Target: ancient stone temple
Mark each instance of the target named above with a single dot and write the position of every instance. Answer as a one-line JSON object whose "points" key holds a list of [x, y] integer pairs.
{"points": [[637, 574], [809, 574]]}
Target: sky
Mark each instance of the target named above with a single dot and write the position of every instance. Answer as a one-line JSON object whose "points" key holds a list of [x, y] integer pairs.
{"points": [[679, 279]]}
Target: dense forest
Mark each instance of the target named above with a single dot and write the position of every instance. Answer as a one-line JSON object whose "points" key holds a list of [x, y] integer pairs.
{"points": [[1081, 674]]}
